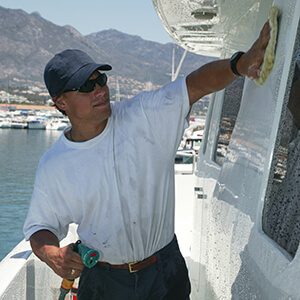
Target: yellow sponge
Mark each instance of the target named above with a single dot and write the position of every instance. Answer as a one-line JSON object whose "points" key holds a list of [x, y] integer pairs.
{"points": [[269, 58]]}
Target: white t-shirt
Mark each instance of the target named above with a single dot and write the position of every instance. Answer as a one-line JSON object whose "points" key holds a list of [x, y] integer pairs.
{"points": [[119, 186]]}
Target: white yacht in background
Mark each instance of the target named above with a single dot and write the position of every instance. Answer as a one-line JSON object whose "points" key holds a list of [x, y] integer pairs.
{"points": [[239, 239], [58, 124], [18, 123], [36, 122], [5, 123]]}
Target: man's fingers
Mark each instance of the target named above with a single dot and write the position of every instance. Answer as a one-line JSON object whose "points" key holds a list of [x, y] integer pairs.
{"points": [[266, 34], [74, 256], [74, 259], [69, 260], [257, 52]]}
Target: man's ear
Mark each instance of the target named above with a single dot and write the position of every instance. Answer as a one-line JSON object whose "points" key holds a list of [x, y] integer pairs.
{"points": [[60, 102]]}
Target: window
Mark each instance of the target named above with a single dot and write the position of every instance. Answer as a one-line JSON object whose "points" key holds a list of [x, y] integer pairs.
{"points": [[186, 158], [281, 213], [230, 109], [185, 161]]}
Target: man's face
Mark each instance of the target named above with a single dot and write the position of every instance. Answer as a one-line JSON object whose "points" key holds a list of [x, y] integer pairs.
{"points": [[87, 107]]}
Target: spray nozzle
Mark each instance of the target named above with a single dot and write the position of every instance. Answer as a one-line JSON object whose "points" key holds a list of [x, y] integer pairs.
{"points": [[89, 257]]}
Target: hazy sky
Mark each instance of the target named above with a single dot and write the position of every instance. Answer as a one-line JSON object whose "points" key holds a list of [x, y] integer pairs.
{"points": [[137, 17]]}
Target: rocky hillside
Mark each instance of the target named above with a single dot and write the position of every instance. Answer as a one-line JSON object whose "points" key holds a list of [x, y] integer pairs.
{"points": [[28, 41]]}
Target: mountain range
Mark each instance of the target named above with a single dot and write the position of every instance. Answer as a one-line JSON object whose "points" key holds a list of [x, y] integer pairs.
{"points": [[28, 42]]}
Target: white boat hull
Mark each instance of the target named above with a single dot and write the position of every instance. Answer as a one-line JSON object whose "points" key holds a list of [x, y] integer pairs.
{"points": [[24, 276], [233, 256], [4, 124], [19, 125], [56, 126]]}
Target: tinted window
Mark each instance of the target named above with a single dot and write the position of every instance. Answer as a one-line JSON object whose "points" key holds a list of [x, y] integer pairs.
{"points": [[281, 214], [184, 159]]}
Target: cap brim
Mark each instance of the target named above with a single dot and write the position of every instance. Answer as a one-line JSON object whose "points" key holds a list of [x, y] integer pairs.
{"points": [[83, 74]]}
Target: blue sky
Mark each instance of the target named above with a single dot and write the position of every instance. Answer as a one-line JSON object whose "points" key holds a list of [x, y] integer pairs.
{"points": [[137, 17]]}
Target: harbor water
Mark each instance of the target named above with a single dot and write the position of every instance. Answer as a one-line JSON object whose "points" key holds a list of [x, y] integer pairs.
{"points": [[20, 152]]}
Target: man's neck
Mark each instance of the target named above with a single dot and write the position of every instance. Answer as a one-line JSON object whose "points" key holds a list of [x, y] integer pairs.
{"points": [[81, 134]]}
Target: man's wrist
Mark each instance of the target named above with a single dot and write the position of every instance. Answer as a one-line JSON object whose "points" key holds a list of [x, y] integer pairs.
{"points": [[233, 62]]}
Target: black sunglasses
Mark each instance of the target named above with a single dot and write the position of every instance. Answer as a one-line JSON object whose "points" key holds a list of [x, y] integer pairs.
{"points": [[90, 84]]}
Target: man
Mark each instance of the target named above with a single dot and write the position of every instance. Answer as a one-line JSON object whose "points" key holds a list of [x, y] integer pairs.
{"points": [[112, 173]]}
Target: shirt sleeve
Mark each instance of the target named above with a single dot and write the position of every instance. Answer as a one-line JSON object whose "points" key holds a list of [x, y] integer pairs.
{"points": [[42, 214]]}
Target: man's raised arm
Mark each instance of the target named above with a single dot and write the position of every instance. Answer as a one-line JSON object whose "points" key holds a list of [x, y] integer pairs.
{"points": [[216, 75]]}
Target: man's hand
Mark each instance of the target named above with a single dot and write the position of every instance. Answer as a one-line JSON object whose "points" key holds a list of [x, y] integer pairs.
{"points": [[64, 261], [61, 260], [249, 64]]}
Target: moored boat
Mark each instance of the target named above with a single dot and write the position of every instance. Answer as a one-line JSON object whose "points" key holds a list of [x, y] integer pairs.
{"points": [[5, 123], [35, 122], [57, 124], [19, 123]]}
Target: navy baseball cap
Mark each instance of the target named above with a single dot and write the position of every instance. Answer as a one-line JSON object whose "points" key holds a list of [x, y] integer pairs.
{"points": [[70, 69]]}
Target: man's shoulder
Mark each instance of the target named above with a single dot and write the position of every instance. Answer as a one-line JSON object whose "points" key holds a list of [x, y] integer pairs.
{"points": [[118, 107], [53, 153]]}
